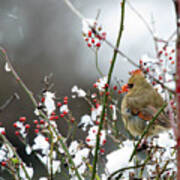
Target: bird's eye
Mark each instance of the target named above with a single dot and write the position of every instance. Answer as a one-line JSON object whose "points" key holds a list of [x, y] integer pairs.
{"points": [[130, 86]]}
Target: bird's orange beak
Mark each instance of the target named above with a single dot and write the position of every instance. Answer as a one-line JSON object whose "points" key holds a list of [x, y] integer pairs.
{"points": [[125, 88]]}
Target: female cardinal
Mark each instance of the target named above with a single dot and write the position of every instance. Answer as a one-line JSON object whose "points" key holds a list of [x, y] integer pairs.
{"points": [[140, 105]]}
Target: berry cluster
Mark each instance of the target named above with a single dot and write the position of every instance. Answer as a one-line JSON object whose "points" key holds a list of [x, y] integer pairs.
{"points": [[93, 34]]}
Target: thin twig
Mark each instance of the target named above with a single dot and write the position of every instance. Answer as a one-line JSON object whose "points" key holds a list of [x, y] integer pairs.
{"points": [[97, 64], [124, 169], [9, 101]]}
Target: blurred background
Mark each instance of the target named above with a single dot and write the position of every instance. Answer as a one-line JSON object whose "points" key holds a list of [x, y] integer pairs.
{"points": [[44, 36]]}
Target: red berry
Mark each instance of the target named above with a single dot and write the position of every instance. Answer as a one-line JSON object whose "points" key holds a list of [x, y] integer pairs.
{"points": [[51, 118], [115, 88], [160, 52], [172, 62], [154, 83], [89, 33], [15, 125], [119, 91], [36, 131], [56, 117], [160, 77], [173, 51], [93, 41], [65, 112], [35, 121], [89, 44], [140, 62], [147, 69], [107, 93], [97, 105], [98, 44], [97, 122], [94, 131], [41, 121], [95, 85], [104, 141], [46, 139], [166, 54], [102, 150], [170, 58], [27, 126], [88, 140], [22, 119], [65, 101], [72, 119], [42, 99], [3, 163], [17, 133], [106, 85], [110, 106], [3, 132], [53, 113], [65, 98], [59, 104], [87, 39], [62, 115]]}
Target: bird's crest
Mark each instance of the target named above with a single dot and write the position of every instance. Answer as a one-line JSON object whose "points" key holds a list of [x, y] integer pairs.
{"points": [[136, 72]]}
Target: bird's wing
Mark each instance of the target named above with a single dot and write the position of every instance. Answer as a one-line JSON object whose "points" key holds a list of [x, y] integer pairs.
{"points": [[143, 98], [149, 112]]}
